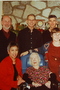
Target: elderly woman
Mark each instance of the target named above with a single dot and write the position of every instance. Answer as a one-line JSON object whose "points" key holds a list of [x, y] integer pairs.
{"points": [[37, 76], [10, 69]]}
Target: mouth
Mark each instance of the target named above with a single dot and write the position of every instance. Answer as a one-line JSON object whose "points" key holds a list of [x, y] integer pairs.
{"points": [[34, 62]]}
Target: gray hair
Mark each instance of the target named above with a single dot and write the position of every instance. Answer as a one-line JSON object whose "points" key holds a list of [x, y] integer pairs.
{"points": [[31, 55]]}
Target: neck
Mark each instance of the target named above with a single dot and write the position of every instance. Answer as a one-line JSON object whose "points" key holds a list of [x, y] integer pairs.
{"points": [[31, 28], [6, 30], [36, 67], [13, 60], [50, 29]]}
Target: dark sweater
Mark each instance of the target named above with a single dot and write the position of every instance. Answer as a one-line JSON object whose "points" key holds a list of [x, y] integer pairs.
{"points": [[28, 40], [46, 36], [4, 41]]}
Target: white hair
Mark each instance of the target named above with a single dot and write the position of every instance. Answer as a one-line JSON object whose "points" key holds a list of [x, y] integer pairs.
{"points": [[31, 55]]}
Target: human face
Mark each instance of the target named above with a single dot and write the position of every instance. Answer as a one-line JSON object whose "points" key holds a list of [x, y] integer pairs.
{"points": [[56, 36], [34, 60], [52, 22], [6, 23], [31, 21], [13, 52]]}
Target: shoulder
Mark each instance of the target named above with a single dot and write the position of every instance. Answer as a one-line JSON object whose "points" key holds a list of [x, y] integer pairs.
{"points": [[29, 68], [36, 30], [46, 31], [43, 67], [23, 30], [18, 61], [12, 33], [5, 61], [1, 31]]}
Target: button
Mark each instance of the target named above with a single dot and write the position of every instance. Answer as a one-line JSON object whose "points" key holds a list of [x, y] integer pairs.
{"points": [[55, 58], [31, 42]]}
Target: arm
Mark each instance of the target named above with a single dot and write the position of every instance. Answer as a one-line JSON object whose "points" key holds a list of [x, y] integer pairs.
{"points": [[6, 75]]}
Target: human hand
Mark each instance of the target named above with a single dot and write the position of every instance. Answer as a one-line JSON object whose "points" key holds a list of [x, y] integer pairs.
{"points": [[36, 49], [24, 53], [19, 80], [48, 84], [36, 84]]}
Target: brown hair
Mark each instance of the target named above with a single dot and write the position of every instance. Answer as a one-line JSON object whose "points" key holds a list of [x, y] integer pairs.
{"points": [[31, 15], [52, 16], [55, 30]]}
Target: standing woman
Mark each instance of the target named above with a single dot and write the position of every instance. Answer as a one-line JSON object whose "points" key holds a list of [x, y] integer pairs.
{"points": [[10, 69], [54, 53]]}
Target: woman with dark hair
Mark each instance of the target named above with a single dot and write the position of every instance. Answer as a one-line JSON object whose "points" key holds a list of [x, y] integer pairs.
{"points": [[10, 69]]}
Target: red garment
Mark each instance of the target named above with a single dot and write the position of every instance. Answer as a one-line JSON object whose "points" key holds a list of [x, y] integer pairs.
{"points": [[54, 60], [7, 73]]}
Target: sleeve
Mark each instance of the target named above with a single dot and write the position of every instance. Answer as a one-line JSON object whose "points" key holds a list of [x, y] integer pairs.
{"points": [[5, 76], [26, 78]]}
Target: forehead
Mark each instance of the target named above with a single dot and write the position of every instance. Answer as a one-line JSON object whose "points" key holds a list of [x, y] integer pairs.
{"points": [[13, 47], [31, 17], [56, 33], [6, 18], [34, 55], [52, 19]]}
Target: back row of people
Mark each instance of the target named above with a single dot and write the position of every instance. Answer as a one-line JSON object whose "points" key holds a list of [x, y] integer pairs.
{"points": [[29, 39]]}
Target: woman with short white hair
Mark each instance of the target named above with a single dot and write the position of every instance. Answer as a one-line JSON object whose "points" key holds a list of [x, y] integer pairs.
{"points": [[37, 76]]}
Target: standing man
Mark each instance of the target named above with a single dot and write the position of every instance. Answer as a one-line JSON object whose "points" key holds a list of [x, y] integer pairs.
{"points": [[6, 36], [29, 39], [52, 21]]}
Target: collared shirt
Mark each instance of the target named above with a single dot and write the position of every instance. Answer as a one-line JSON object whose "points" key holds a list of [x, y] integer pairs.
{"points": [[7, 34], [29, 40]]}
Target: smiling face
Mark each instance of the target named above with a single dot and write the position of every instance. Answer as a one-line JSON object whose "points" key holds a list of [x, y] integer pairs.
{"points": [[13, 52], [31, 21], [34, 60], [52, 22], [6, 23], [56, 36]]}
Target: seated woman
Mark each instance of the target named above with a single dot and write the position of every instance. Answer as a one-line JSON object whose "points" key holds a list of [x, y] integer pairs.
{"points": [[37, 76], [10, 69]]}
